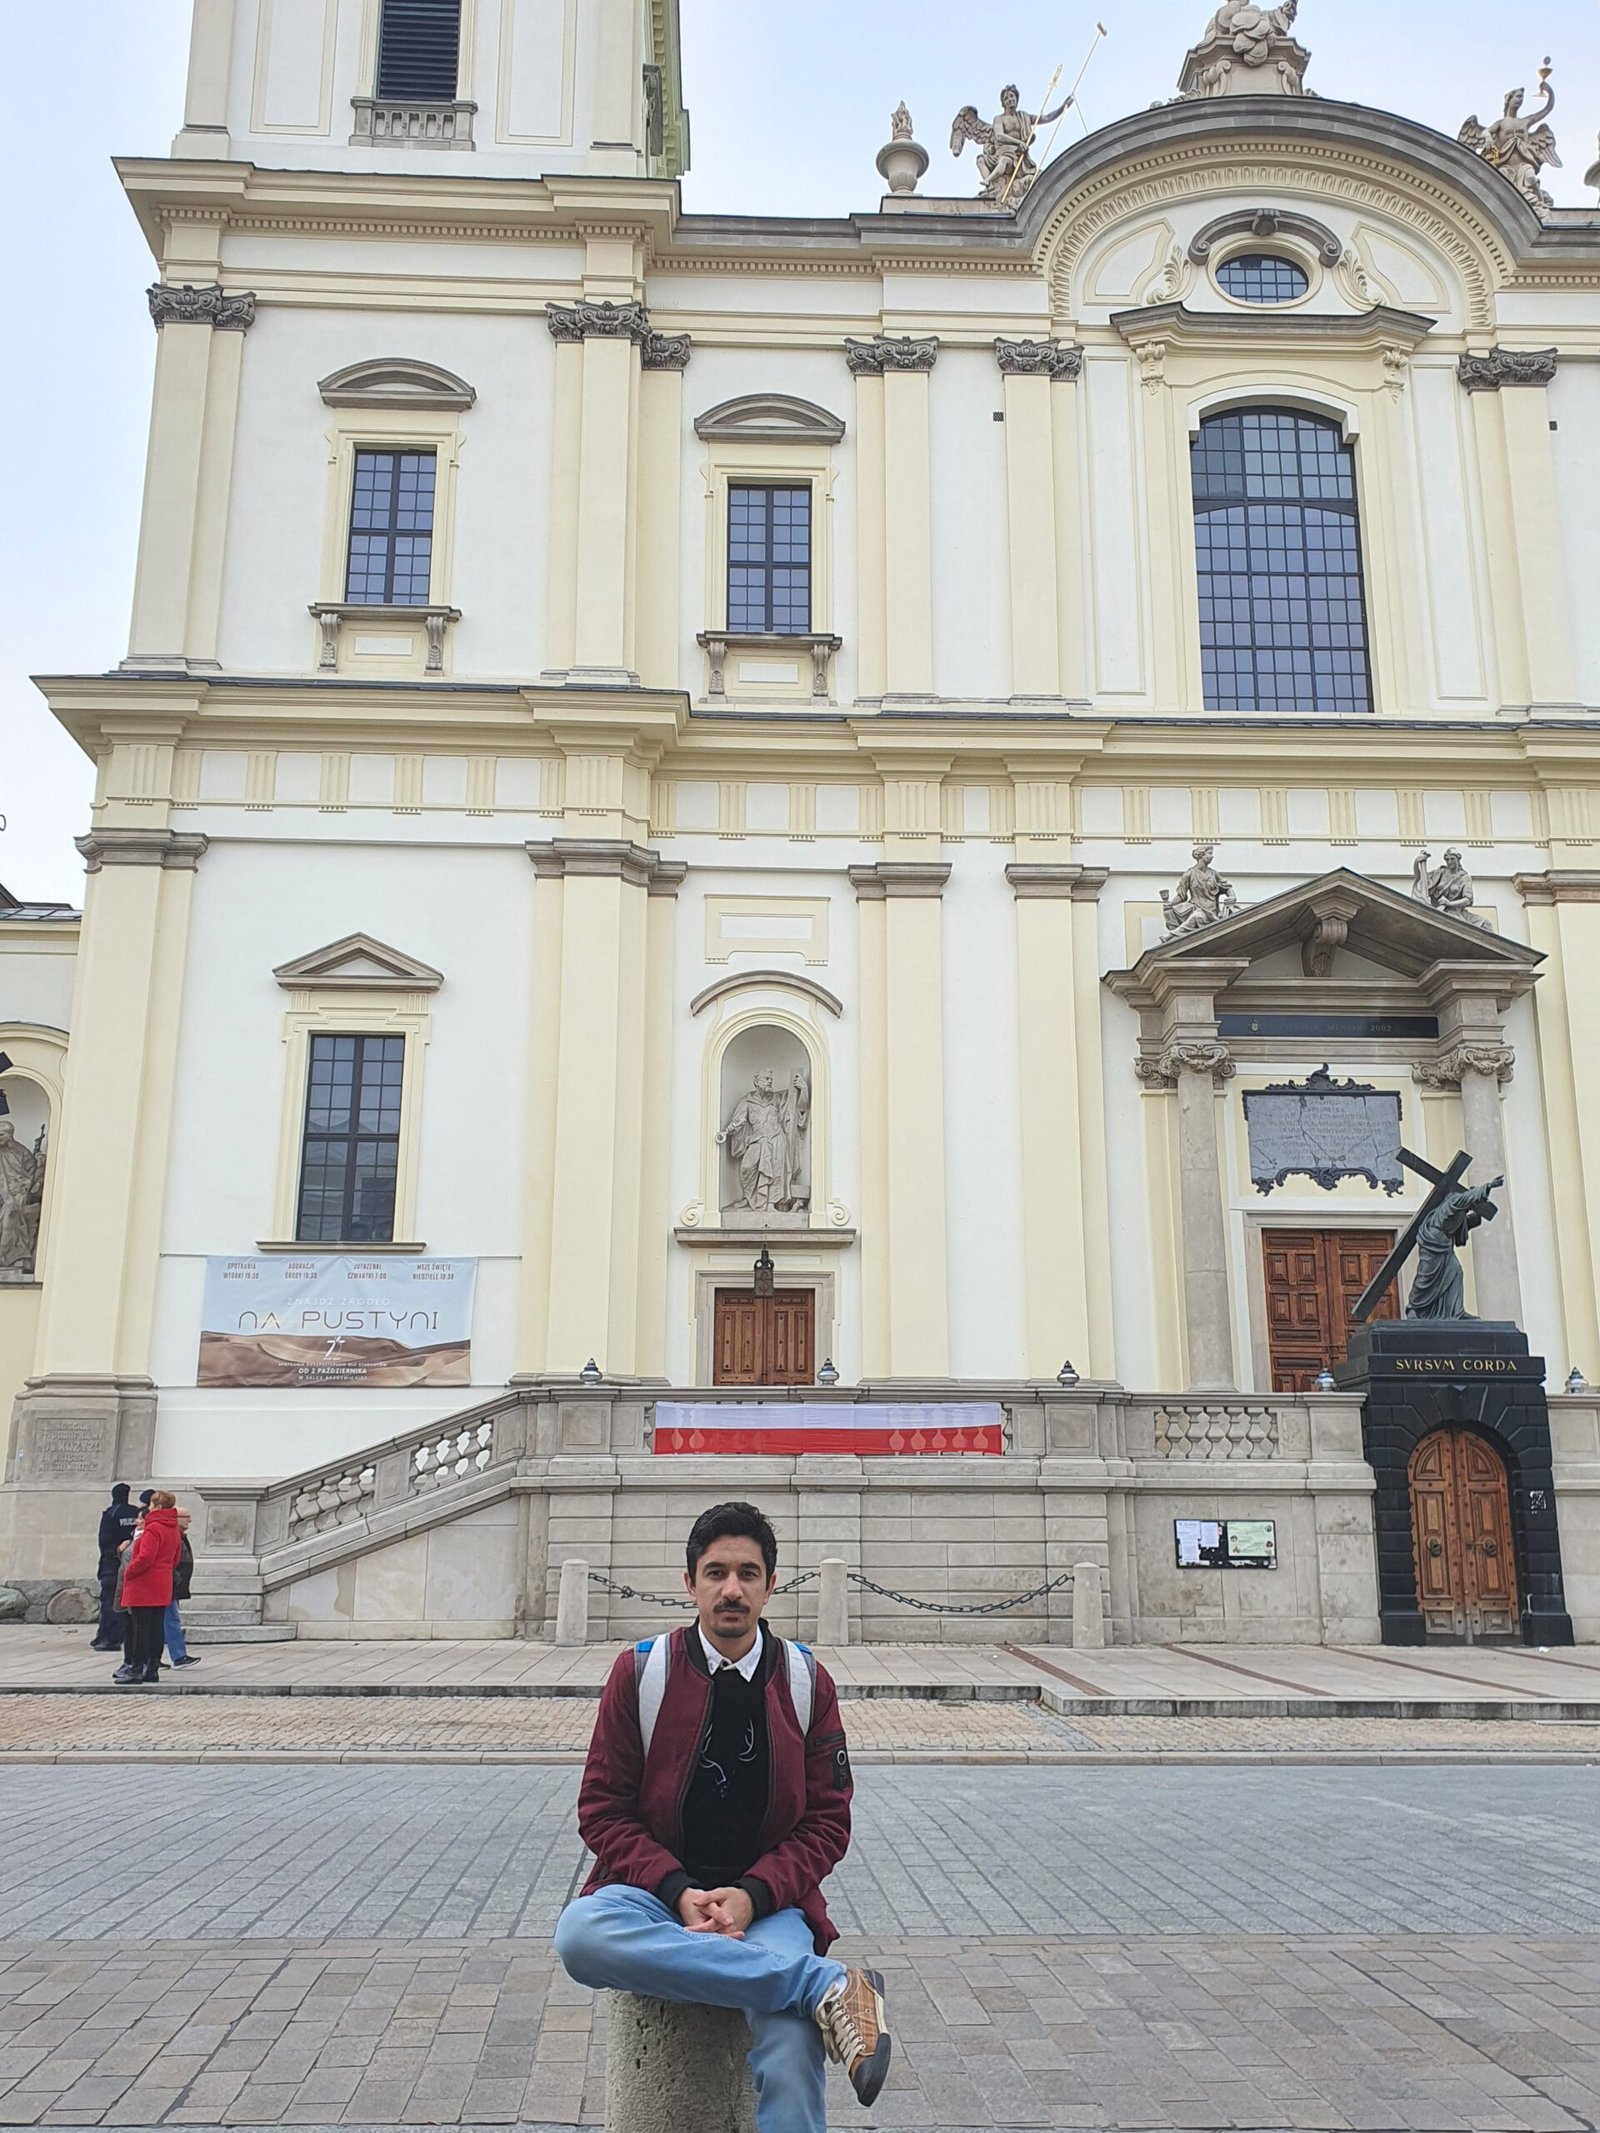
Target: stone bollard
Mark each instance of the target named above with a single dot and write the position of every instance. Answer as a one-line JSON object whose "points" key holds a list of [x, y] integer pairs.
{"points": [[1088, 1620], [672, 2069], [572, 1604], [833, 1603]]}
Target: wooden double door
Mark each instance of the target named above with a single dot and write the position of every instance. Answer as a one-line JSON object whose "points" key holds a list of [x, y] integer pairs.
{"points": [[1313, 1276], [764, 1340], [1461, 1531]]}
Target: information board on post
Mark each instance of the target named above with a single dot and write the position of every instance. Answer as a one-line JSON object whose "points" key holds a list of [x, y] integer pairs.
{"points": [[349, 1322]]}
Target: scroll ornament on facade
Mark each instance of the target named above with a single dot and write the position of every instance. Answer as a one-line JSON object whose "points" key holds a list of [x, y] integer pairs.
{"points": [[1447, 888], [1246, 51], [1191, 1055], [1201, 897], [1005, 167], [1519, 144]]}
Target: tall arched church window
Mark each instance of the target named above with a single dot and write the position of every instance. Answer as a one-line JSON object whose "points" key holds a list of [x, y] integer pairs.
{"points": [[1283, 622], [419, 50]]}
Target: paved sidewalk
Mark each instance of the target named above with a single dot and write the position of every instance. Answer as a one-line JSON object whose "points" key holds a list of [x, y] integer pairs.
{"points": [[1092, 1948], [150, 1726], [1199, 1677]]}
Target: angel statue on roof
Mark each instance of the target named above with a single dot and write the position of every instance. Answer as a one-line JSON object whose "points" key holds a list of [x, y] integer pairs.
{"points": [[1519, 144], [1005, 168]]}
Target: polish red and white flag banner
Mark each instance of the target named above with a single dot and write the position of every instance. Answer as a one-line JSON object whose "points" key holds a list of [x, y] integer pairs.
{"points": [[861, 1429]]}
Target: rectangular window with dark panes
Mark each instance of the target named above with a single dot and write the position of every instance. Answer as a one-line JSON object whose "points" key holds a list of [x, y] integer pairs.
{"points": [[419, 51], [769, 560], [391, 530], [350, 1149]]}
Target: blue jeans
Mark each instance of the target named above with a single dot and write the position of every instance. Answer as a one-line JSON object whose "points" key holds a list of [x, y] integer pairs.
{"points": [[626, 1940], [172, 1634]]}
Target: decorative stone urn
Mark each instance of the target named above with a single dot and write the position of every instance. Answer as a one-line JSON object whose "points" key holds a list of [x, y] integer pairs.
{"points": [[902, 160]]}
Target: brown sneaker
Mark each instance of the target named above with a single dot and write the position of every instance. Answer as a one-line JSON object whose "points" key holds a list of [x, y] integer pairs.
{"points": [[855, 2029]]}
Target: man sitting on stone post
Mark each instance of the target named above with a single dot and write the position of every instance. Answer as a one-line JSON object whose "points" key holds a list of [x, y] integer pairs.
{"points": [[716, 1798]]}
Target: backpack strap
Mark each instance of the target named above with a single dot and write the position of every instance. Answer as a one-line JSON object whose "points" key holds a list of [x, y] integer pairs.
{"points": [[802, 1683], [651, 1660]]}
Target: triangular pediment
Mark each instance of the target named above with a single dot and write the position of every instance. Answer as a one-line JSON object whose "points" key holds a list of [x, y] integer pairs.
{"points": [[359, 963], [1382, 926], [770, 418]]}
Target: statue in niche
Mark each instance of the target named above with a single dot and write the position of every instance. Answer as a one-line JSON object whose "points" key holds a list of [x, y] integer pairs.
{"points": [[21, 1196], [1201, 897], [1447, 888], [1005, 167], [768, 1135], [1519, 145]]}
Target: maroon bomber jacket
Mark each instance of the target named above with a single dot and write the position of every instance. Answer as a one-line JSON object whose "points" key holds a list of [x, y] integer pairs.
{"points": [[630, 1811]]}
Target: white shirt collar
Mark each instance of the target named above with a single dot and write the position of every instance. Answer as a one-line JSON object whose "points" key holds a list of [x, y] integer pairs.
{"points": [[716, 1660]]}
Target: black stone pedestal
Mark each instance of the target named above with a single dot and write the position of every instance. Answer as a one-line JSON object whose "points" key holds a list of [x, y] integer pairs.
{"points": [[1419, 1375]]}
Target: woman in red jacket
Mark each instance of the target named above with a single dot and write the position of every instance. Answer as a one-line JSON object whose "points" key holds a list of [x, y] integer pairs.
{"points": [[147, 1587]]}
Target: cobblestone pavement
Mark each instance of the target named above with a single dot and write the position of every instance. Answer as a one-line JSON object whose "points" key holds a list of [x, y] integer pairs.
{"points": [[1087, 1947], [487, 1728]]}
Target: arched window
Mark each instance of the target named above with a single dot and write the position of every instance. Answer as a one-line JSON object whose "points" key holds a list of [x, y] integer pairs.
{"points": [[1283, 622]]}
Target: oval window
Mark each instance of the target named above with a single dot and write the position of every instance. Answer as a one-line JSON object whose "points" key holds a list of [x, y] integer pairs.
{"points": [[1262, 278]]}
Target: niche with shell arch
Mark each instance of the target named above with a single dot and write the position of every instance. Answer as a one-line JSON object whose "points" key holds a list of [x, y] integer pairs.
{"points": [[766, 1128]]}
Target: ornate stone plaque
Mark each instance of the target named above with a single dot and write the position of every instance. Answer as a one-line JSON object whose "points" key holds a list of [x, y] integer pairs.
{"points": [[1324, 1130]]}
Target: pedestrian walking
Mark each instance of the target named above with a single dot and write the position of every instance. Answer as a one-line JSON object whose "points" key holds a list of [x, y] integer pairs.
{"points": [[172, 1623], [147, 1587], [716, 1799], [117, 1522]]}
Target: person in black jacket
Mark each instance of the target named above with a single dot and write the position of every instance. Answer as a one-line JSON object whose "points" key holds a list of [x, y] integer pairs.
{"points": [[117, 1522]]}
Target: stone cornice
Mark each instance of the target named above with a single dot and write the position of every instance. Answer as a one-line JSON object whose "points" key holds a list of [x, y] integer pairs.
{"points": [[886, 352], [1039, 359], [1081, 884], [183, 304], [1507, 366], [1382, 326], [140, 848], [611, 857], [898, 877], [1559, 886]]}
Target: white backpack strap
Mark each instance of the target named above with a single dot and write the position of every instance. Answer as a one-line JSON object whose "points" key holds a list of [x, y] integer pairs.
{"points": [[650, 1662], [802, 1683]]}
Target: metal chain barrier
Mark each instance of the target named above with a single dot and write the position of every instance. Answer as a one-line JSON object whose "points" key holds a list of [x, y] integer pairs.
{"points": [[884, 1592]]}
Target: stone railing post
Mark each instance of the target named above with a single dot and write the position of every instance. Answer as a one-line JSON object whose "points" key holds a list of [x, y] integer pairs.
{"points": [[1088, 1615], [833, 1603], [572, 1603]]}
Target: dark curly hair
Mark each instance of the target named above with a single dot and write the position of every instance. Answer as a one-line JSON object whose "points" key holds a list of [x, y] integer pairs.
{"points": [[732, 1521]]}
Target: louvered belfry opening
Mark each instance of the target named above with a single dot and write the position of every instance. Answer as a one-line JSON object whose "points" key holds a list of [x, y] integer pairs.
{"points": [[419, 51]]}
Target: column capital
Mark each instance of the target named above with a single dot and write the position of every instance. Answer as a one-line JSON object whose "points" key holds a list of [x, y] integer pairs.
{"points": [[615, 857], [1189, 1056], [182, 304], [1039, 359], [1081, 884], [1506, 366], [141, 848], [1496, 1061], [898, 877], [665, 351], [604, 321], [885, 352]]}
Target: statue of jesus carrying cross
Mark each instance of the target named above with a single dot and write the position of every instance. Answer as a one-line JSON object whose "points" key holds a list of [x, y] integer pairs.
{"points": [[1437, 1232]]}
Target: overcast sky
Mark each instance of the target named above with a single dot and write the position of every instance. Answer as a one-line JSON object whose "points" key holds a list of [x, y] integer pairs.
{"points": [[789, 103]]}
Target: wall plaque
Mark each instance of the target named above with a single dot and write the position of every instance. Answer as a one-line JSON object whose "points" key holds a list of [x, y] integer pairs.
{"points": [[1226, 1543], [68, 1451], [1324, 1130]]}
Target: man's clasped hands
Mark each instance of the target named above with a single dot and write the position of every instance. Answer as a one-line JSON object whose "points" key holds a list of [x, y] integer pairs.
{"points": [[725, 1911]]}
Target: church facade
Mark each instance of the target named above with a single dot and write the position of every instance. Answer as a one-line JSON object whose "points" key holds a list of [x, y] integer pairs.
{"points": [[858, 840]]}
